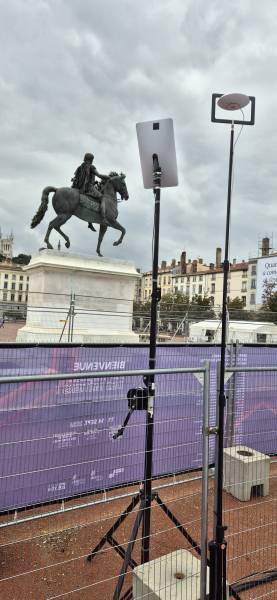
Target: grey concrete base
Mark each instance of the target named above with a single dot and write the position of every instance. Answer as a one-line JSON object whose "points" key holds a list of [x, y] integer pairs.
{"points": [[175, 576], [244, 468], [104, 293]]}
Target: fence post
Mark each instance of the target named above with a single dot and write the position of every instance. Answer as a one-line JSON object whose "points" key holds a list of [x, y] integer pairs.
{"points": [[205, 483]]}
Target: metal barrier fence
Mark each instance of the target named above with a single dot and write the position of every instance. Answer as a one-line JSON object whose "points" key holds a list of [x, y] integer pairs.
{"points": [[250, 482], [44, 548], [178, 434]]}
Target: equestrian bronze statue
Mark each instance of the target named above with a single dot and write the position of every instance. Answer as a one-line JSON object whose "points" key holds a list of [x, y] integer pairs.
{"points": [[90, 201]]}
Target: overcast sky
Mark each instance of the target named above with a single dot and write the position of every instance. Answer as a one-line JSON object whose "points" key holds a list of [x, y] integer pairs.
{"points": [[76, 76]]}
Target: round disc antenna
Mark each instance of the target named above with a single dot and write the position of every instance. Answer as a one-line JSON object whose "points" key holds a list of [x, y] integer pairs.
{"points": [[233, 101]]}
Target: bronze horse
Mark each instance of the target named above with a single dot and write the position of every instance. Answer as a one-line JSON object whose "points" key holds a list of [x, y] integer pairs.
{"points": [[68, 202]]}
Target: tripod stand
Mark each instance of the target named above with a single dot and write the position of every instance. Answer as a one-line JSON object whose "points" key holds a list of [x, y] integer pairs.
{"points": [[143, 399]]}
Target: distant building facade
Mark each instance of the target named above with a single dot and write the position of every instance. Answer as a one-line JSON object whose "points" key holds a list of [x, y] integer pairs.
{"points": [[6, 245], [196, 278]]}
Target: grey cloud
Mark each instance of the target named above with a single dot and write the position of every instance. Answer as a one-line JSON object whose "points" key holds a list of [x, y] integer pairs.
{"points": [[76, 76]]}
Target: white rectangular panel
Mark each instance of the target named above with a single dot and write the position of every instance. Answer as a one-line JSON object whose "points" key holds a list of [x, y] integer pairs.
{"points": [[157, 137]]}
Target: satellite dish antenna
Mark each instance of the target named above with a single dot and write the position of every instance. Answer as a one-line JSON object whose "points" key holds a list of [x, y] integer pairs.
{"points": [[233, 101]]}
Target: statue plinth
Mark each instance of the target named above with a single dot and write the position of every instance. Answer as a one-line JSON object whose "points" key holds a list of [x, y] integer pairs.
{"points": [[91, 299]]}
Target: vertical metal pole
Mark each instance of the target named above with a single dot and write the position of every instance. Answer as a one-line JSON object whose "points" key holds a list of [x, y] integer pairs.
{"points": [[147, 484], [72, 316], [69, 319], [205, 483], [220, 542]]}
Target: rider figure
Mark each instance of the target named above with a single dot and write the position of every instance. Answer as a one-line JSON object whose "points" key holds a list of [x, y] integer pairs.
{"points": [[84, 181]]}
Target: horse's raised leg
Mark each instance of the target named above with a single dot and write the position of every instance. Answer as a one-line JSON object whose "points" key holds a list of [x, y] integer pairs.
{"points": [[117, 225], [59, 221], [50, 227], [102, 231]]}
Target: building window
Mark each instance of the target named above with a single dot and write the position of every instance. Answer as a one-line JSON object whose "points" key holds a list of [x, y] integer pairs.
{"points": [[6, 276], [13, 277], [194, 278], [213, 276], [261, 338], [21, 277], [188, 279], [200, 277], [5, 296], [253, 284], [20, 286], [244, 273], [200, 289], [252, 298], [19, 297], [213, 288], [243, 300], [5, 285], [13, 286], [12, 297], [27, 287], [253, 270], [26, 298], [27, 277], [182, 279], [244, 286]]}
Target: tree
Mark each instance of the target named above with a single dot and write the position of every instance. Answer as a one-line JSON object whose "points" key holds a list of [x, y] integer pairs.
{"points": [[268, 311], [22, 259]]}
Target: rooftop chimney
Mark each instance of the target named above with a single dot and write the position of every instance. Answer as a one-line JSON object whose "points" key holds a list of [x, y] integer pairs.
{"points": [[265, 246], [194, 266], [163, 265], [218, 257], [183, 263], [173, 262], [200, 260], [212, 266]]}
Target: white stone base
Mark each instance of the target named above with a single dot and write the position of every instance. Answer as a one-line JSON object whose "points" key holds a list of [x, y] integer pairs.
{"points": [[175, 575], [243, 469], [103, 305]]}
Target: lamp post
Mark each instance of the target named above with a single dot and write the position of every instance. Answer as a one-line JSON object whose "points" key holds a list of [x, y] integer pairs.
{"points": [[217, 546]]}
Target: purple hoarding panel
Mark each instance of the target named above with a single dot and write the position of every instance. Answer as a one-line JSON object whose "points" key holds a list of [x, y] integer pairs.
{"points": [[56, 437]]}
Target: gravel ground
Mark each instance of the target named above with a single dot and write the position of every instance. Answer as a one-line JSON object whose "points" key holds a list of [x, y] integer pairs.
{"points": [[46, 559]]}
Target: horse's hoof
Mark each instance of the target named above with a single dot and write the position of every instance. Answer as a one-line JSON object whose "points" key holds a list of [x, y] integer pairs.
{"points": [[99, 254], [43, 248], [67, 244], [116, 243]]}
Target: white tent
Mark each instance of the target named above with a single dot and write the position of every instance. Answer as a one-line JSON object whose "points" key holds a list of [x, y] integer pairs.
{"points": [[254, 332]]}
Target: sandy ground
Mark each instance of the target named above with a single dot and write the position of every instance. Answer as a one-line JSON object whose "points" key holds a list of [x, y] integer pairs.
{"points": [[46, 559], [9, 330]]}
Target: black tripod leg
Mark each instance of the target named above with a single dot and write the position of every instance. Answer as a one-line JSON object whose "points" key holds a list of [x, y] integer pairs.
{"points": [[128, 554], [177, 523], [115, 526]]}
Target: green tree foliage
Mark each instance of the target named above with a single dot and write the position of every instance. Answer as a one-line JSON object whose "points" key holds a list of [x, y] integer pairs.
{"points": [[268, 311], [21, 259]]}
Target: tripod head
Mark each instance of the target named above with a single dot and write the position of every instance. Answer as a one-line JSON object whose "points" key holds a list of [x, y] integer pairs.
{"points": [[137, 400]]}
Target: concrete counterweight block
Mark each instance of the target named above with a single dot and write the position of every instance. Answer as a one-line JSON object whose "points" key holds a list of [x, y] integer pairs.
{"points": [[245, 468], [175, 576]]}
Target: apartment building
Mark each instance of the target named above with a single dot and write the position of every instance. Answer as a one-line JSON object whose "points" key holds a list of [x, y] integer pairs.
{"points": [[14, 285]]}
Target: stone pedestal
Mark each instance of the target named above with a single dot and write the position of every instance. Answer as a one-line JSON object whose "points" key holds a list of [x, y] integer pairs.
{"points": [[245, 468], [90, 298], [175, 575]]}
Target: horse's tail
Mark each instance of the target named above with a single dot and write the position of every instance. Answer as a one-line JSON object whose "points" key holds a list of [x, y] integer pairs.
{"points": [[43, 206]]}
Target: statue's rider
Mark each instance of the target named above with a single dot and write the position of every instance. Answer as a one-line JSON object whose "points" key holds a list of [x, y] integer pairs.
{"points": [[84, 181]]}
